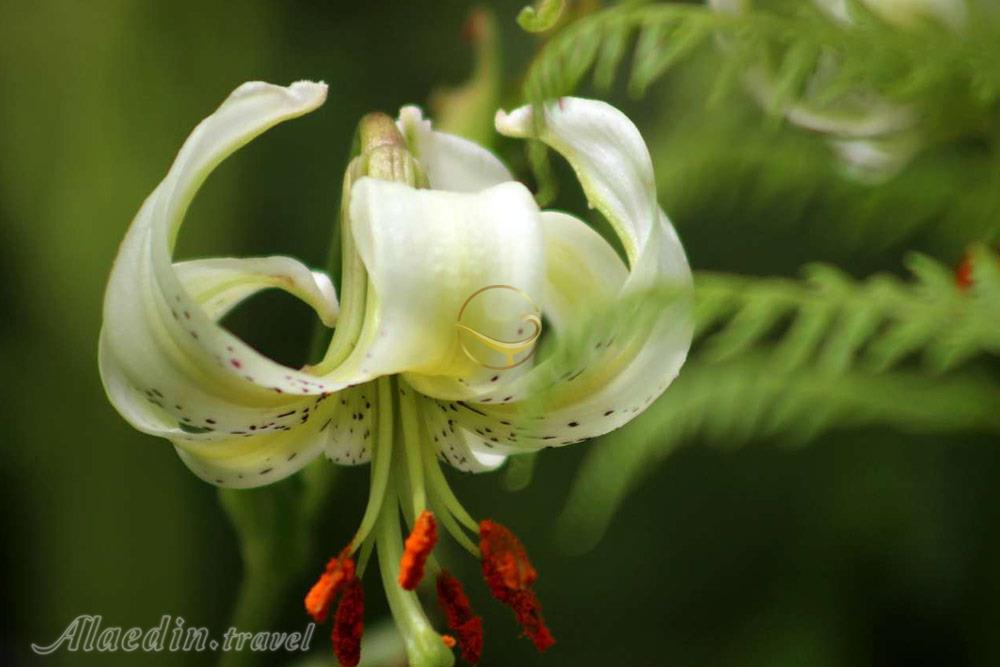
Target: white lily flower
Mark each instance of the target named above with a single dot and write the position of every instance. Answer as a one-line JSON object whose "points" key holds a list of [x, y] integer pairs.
{"points": [[449, 272], [873, 137]]}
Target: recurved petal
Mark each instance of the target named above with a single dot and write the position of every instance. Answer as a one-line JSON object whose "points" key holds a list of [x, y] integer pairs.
{"points": [[626, 349], [609, 157], [220, 284], [581, 268], [460, 446], [168, 367], [257, 458]]}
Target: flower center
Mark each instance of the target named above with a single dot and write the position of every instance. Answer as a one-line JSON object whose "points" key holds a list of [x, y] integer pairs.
{"points": [[407, 482], [511, 352]]}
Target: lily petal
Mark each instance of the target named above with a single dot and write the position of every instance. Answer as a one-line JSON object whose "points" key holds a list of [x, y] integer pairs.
{"points": [[462, 448], [428, 254], [623, 373], [238, 417], [253, 460], [221, 284], [581, 268], [609, 157], [450, 162]]}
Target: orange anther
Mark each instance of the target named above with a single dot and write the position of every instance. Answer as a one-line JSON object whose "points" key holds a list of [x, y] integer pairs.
{"points": [[339, 571], [418, 547], [510, 575]]}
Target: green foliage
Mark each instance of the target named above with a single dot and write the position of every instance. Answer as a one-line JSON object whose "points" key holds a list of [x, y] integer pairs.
{"points": [[274, 526], [877, 55], [833, 323], [789, 182], [790, 360], [541, 17], [733, 402], [798, 58]]}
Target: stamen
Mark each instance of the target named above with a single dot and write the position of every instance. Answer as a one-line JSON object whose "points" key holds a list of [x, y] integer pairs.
{"points": [[505, 562], [439, 488], [423, 643], [418, 547], [510, 575], [454, 529], [349, 625], [381, 459], [339, 571], [363, 557], [528, 611], [448, 640], [460, 617]]}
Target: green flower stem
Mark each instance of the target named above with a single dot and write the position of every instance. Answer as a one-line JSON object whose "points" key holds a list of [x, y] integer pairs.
{"points": [[274, 527]]}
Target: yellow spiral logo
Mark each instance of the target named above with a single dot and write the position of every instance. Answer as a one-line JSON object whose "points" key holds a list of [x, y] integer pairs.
{"points": [[514, 352]]}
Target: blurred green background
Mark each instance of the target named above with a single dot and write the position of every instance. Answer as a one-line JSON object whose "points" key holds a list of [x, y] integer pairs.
{"points": [[864, 548]]}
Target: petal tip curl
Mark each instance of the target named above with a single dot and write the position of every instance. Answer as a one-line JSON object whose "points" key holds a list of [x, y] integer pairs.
{"points": [[517, 123], [304, 95]]}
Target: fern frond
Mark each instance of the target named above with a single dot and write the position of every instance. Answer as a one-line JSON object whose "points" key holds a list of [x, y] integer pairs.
{"points": [[733, 402], [955, 85], [786, 359], [834, 323], [896, 63]]}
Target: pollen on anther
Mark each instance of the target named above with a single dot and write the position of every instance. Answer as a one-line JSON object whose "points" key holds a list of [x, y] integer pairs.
{"points": [[418, 547], [467, 626], [339, 571], [349, 625], [510, 575]]}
